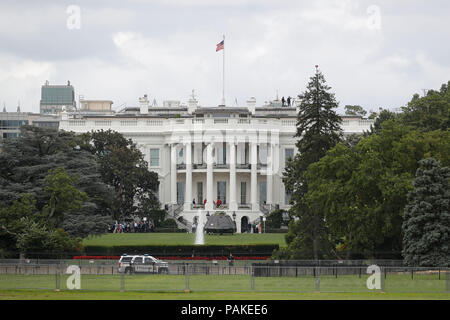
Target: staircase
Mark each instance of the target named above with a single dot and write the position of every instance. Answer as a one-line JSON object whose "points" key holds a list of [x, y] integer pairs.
{"points": [[174, 212], [265, 209]]}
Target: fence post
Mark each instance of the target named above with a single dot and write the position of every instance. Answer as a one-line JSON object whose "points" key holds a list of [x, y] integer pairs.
{"points": [[57, 278], [122, 282], [186, 289], [412, 274], [252, 279], [447, 277], [317, 282]]}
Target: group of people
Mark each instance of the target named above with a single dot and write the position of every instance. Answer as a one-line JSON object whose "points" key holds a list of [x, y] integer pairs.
{"points": [[133, 227], [286, 102], [217, 203]]}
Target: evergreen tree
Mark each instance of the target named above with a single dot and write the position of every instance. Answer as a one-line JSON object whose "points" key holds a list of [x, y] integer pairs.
{"points": [[426, 226], [318, 130]]}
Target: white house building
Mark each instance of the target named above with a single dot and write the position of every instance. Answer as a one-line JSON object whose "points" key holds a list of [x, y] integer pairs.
{"points": [[209, 155]]}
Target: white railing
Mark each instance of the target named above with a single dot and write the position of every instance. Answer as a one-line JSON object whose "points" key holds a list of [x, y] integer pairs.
{"points": [[127, 123], [103, 123], [77, 123], [288, 123], [220, 121], [160, 125], [154, 122]]}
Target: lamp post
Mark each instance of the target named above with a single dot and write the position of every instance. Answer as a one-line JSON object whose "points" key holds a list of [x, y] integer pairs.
{"points": [[260, 220], [264, 219]]}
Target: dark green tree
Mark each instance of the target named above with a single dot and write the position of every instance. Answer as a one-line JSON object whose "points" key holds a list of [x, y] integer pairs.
{"points": [[426, 225], [355, 110], [122, 166], [362, 190], [63, 193], [431, 112], [26, 161], [318, 130], [381, 117]]}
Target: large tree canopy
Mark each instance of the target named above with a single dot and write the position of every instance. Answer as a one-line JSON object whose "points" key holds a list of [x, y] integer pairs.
{"points": [[62, 180], [123, 167], [362, 190], [431, 112]]}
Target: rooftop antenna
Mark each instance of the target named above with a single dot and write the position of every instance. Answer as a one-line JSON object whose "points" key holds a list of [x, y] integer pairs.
{"points": [[277, 96], [18, 106], [4, 106]]}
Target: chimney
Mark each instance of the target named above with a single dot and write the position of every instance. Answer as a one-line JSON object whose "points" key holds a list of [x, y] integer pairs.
{"points": [[251, 105], [143, 104], [192, 103]]}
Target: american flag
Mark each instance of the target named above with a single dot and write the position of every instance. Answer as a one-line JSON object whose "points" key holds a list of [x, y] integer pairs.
{"points": [[220, 45]]}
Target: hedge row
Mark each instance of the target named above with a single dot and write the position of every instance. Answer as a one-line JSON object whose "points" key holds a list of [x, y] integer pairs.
{"points": [[182, 250]]}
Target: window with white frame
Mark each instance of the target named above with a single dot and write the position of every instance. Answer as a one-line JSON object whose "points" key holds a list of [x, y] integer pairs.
{"points": [[154, 157]]}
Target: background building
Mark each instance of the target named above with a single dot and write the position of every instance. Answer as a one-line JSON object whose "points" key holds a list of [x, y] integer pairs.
{"points": [[55, 97]]}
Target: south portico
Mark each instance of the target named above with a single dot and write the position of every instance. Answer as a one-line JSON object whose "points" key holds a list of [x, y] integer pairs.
{"points": [[235, 170]]}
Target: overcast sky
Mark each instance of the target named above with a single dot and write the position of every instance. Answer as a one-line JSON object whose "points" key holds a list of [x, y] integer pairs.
{"points": [[372, 53]]}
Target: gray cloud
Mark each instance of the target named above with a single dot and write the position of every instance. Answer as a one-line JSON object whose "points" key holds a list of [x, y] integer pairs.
{"points": [[165, 48]]}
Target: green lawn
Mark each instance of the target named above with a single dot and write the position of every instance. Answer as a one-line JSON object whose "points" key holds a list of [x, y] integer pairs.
{"points": [[112, 239], [221, 287], [138, 295]]}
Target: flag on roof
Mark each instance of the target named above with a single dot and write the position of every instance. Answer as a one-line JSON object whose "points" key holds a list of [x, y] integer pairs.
{"points": [[220, 45]]}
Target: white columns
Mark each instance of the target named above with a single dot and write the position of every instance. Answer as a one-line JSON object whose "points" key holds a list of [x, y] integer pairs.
{"points": [[209, 177], [173, 174], [233, 203], [269, 175], [188, 185], [254, 177]]}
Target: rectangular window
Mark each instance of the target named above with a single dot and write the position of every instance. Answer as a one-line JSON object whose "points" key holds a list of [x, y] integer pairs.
{"points": [[180, 192], [180, 156], [288, 154], [154, 157], [243, 192], [262, 192], [222, 154], [200, 192], [262, 154], [222, 191]]}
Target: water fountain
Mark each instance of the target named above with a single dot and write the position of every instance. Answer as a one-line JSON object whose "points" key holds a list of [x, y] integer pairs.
{"points": [[199, 236]]}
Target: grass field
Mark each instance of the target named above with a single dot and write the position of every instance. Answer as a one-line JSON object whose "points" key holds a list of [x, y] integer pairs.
{"points": [[111, 239], [221, 287], [205, 295]]}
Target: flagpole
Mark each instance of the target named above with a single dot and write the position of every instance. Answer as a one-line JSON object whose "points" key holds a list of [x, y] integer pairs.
{"points": [[223, 80]]}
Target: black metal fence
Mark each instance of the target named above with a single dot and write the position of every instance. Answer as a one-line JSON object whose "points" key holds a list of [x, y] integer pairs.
{"points": [[60, 275]]}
